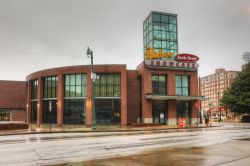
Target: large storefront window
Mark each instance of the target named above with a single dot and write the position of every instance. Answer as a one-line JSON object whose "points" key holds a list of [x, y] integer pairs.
{"points": [[75, 85], [4, 115], [74, 99], [108, 111], [50, 96], [159, 84], [183, 110], [107, 99], [33, 111], [108, 85], [49, 116], [182, 85], [74, 111], [159, 108], [34, 91], [50, 87]]}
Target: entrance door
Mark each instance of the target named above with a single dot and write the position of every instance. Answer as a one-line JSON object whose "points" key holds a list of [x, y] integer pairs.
{"points": [[183, 110], [159, 108]]}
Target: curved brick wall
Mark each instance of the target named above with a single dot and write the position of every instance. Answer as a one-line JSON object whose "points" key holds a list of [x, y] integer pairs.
{"points": [[60, 91]]}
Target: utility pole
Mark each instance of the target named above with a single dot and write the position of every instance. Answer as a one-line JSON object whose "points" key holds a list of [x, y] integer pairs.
{"points": [[93, 77]]}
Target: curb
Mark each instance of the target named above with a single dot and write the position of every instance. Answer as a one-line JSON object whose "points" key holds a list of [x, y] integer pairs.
{"points": [[110, 131]]}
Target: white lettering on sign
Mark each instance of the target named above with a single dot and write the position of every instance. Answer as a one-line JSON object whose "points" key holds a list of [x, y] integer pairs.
{"points": [[172, 64]]}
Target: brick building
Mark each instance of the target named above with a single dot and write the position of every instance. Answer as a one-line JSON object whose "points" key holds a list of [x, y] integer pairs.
{"points": [[12, 100], [163, 88], [212, 86]]}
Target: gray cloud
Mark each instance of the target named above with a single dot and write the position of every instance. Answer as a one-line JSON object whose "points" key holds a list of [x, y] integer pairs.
{"points": [[39, 34]]}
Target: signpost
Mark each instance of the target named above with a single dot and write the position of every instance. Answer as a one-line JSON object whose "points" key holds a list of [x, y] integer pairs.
{"points": [[50, 110]]}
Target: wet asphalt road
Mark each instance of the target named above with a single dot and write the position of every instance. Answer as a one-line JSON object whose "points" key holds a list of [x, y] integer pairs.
{"points": [[45, 149]]}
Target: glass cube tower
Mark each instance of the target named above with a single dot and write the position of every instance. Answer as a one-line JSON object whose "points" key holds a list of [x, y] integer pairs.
{"points": [[160, 32]]}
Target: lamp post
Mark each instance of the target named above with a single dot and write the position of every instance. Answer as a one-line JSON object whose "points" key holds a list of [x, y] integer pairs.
{"points": [[93, 77]]}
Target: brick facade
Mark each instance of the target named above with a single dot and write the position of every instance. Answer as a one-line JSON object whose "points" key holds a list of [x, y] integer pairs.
{"points": [[145, 73], [12, 98], [135, 84], [133, 100], [60, 89]]}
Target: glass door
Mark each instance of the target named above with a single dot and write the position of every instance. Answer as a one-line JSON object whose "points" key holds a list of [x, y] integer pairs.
{"points": [[159, 108]]}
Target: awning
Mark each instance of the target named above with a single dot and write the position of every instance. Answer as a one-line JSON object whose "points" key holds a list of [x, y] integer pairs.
{"points": [[163, 97]]}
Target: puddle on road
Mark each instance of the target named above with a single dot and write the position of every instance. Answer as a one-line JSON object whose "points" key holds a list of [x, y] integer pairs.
{"points": [[243, 139], [217, 154]]}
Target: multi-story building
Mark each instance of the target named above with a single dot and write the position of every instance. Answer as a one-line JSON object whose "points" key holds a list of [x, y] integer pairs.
{"points": [[213, 86]]}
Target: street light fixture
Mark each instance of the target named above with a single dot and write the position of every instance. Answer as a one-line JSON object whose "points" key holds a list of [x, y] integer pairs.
{"points": [[93, 78]]}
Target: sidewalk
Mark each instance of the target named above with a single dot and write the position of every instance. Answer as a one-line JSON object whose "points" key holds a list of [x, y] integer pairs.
{"points": [[100, 128]]}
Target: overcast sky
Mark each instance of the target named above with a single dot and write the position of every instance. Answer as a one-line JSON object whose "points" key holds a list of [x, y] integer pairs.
{"points": [[41, 34]]}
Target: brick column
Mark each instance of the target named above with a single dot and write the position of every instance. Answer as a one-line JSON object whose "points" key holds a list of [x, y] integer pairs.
{"points": [[146, 104], [171, 84], [88, 100], [194, 112], [124, 97], [172, 112], [171, 103], [194, 84], [28, 102], [39, 102], [60, 96]]}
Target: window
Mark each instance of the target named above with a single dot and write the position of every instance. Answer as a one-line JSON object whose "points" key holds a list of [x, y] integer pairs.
{"points": [[74, 111], [183, 110], [75, 85], [34, 88], [4, 115], [108, 111], [33, 104], [33, 111], [50, 87], [74, 102], [182, 85], [159, 84], [160, 32], [47, 115], [108, 85]]}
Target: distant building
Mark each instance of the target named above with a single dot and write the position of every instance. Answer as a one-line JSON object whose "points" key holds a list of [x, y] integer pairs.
{"points": [[212, 87], [246, 60]]}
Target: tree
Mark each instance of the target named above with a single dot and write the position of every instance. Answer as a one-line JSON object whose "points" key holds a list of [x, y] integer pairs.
{"points": [[237, 97]]}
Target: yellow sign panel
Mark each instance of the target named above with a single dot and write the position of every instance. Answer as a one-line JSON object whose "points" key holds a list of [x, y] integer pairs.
{"points": [[151, 54]]}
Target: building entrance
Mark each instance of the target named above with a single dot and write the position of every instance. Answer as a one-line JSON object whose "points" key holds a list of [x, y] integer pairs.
{"points": [[183, 110], [108, 111], [47, 116], [159, 108]]}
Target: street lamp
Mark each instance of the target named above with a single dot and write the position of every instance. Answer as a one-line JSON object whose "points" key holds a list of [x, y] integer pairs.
{"points": [[93, 77]]}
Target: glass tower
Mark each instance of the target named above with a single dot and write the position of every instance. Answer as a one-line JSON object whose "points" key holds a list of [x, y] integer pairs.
{"points": [[160, 32]]}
